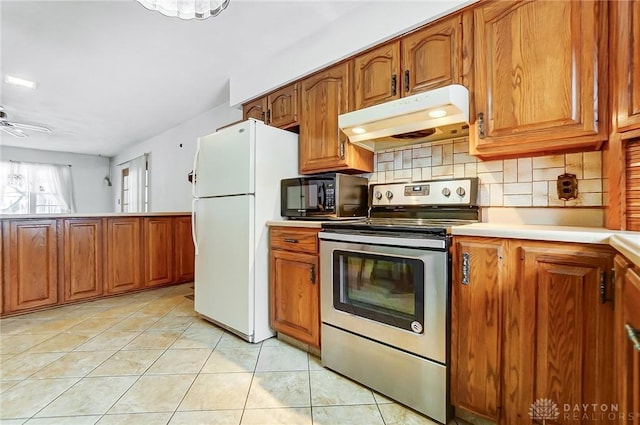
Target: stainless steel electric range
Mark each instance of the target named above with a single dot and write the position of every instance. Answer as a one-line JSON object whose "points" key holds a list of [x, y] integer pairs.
{"points": [[385, 291]]}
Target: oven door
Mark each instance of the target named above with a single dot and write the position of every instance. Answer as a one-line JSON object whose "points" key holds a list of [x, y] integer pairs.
{"points": [[386, 290]]}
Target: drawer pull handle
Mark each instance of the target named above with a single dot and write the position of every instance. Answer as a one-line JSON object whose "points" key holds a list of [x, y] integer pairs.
{"points": [[312, 274], [633, 336], [289, 240], [466, 268]]}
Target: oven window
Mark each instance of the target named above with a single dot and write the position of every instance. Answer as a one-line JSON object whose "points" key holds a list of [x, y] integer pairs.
{"points": [[383, 288]]}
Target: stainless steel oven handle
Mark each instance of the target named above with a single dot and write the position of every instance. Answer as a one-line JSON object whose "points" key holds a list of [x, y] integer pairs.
{"points": [[383, 240]]}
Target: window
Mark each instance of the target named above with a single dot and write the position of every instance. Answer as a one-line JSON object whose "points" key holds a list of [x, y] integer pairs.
{"points": [[134, 193], [30, 188]]}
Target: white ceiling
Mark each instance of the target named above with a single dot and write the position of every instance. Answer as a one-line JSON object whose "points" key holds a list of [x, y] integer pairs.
{"points": [[112, 73]]}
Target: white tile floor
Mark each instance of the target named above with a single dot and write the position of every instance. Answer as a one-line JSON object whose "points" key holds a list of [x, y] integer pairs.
{"points": [[147, 358]]}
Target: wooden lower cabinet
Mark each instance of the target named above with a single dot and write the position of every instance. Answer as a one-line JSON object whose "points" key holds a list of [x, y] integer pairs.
{"points": [[627, 341], [476, 339], [532, 323], [158, 250], [30, 264], [124, 259], [184, 249], [294, 292], [83, 256]]}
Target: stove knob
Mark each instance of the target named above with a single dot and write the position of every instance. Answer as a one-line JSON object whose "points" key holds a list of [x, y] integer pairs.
{"points": [[378, 195], [389, 194], [446, 192], [461, 192]]}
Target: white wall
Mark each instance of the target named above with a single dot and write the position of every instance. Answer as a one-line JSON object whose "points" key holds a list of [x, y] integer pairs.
{"points": [[171, 159], [374, 22], [90, 193]]}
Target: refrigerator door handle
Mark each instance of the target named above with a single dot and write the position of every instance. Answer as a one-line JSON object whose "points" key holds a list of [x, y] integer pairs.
{"points": [[195, 169], [194, 235]]}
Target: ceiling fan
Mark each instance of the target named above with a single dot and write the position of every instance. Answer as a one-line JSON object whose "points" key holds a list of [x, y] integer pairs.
{"points": [[17, 129]]}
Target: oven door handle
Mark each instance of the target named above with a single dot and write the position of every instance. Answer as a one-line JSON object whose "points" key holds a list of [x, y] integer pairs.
{"points": [[384, 240]]}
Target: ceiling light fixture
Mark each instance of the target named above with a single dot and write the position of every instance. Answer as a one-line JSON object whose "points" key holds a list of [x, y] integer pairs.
{"points": [[17, 81], [187, 9]]}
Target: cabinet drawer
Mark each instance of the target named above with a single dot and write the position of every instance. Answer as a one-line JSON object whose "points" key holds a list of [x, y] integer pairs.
{"points": [[295, 239]]}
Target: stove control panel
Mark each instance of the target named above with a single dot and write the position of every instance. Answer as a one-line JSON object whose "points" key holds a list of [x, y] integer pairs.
{"points": [[433, 192]]}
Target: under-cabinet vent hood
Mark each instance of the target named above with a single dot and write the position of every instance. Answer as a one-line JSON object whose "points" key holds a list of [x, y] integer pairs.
{"points": [[424, 117]]}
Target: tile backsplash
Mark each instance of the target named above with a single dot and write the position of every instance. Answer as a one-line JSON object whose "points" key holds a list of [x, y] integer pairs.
{"points": [[521, 182]]}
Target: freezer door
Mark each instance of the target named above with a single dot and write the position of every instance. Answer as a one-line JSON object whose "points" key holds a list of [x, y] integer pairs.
{"points": [[224, 281], [225, 162]]}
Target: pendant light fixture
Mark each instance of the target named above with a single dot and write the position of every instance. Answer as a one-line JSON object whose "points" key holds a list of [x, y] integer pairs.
{"points": [[187, 9]]}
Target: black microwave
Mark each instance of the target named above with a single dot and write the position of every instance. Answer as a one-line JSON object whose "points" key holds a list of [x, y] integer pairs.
{"points": [[325, 196]]}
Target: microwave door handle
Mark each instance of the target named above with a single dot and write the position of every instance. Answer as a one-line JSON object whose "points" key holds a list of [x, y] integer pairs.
{"points": [[322, 196]]}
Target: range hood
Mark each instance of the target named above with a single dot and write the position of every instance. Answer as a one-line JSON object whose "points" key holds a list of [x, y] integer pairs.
{"points": [[424, 117]]}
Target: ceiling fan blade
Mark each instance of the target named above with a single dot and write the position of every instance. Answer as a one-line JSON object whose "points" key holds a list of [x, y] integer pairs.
{"points": [[15, 133], [29, 127]]}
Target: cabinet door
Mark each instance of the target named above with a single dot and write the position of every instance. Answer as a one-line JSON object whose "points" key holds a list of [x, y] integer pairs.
{"points": [[479, 272], [32, 265], [124, 263], [625, 55], [560, 344], [627, 337], [282, 111], [184, 249], [158, 250], [294, 295], [256, 109], [83, 254], [323, 147], [376, 76], [539, 83], [432, 57]]}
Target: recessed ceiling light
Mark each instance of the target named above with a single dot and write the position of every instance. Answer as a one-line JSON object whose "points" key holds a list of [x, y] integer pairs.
{"points": [[358, 130], [437, 113], [17, 81]]}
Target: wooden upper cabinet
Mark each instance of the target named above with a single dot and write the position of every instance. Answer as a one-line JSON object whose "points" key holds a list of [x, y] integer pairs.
{"points": [[158, 250], [31, 264], [124, 259], [423, 60], [478, 277], [256, 109], [282, 107], [376, 75], [83, 256], [539, 83], [278, 109], [432, 56], [625, 55], [323, 147]]}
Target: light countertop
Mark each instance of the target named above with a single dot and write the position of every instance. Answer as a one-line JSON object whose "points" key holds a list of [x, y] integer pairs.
{"points": [[89, 215], [297, 223], [627, 243]]}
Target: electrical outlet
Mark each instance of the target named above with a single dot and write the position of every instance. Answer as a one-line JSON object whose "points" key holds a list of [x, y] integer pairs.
{"points": [[567, 186]]}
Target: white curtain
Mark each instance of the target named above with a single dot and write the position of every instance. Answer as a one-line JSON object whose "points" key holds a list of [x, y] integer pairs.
{"points": [[137, 183], [21, 182], [59, 177]]}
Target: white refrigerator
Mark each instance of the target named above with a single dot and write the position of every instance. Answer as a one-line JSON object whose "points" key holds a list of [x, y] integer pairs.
{"points": [[236, 190]]}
